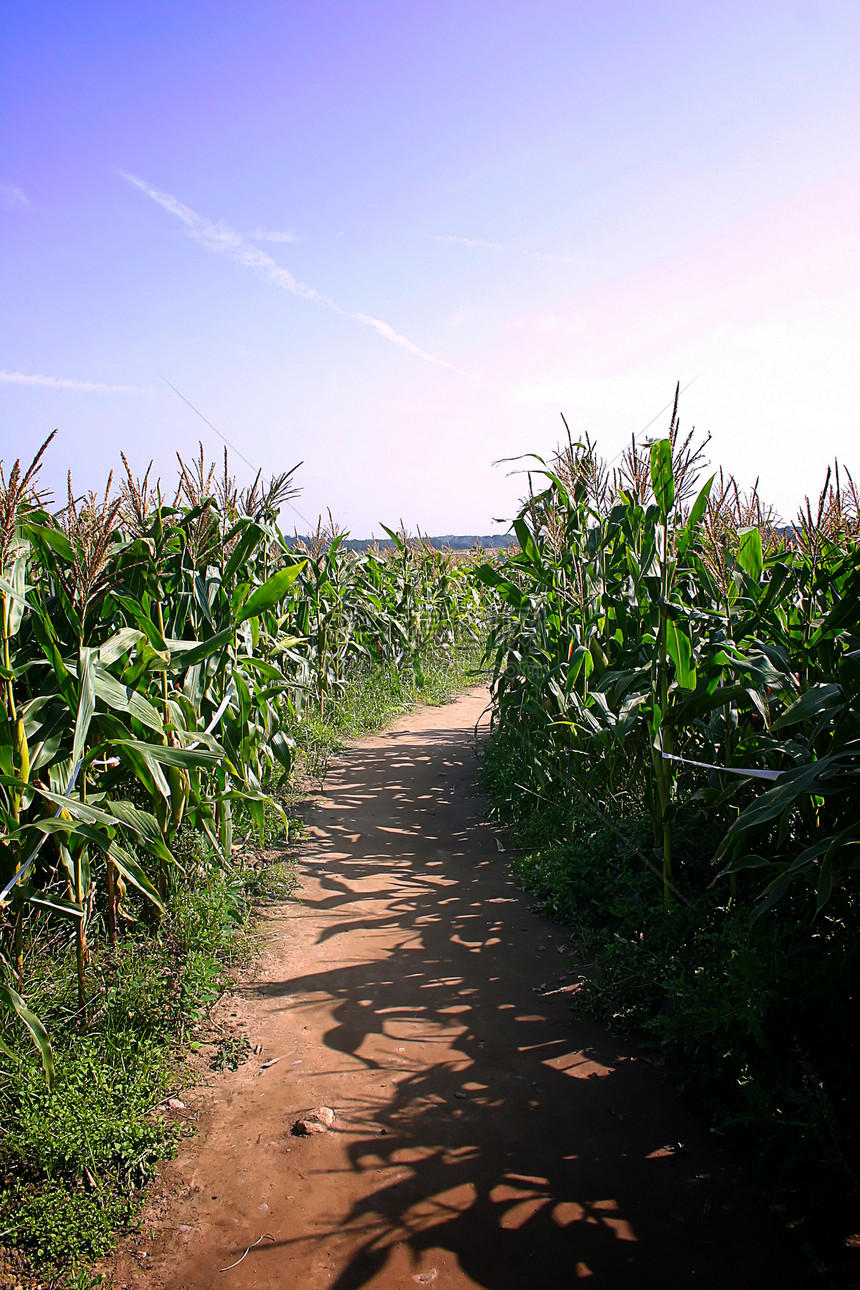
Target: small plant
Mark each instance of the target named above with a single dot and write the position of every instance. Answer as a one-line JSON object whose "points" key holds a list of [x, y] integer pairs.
{"points": [[231, 1052]]}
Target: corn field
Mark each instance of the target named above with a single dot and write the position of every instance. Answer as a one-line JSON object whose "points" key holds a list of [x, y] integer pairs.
{"points": [[665, 642], [155, 656]]}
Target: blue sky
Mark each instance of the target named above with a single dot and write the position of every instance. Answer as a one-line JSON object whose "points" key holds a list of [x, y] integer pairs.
{"points": [[395, 241]]}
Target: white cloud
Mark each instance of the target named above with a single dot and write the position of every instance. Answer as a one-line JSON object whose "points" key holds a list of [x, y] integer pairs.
{"points": [[67, 383], [225, 241], [12, 196]]}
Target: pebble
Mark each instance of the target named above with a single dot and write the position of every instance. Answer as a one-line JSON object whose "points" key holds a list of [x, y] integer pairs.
{"points": [[318, 1121]]}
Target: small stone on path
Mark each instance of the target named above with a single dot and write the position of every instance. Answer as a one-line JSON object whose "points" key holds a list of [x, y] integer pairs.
{"points": [[318, 1121]]}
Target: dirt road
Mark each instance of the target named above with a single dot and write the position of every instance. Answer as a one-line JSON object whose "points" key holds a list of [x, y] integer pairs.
{"points": [[482, 1138]]}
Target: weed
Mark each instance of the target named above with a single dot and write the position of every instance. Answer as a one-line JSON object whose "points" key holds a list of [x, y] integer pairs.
{"points": [[73, 1159], [231, 1052]]}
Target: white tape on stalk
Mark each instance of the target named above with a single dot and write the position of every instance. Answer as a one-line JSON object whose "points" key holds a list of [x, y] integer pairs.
{"points": [[729, 770], [231, 693]]}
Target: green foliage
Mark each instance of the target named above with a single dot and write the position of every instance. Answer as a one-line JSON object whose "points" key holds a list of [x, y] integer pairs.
{"points": [[58, 1223], [73, 1158], [231, 1052], [639, 632], [755, 1023], [650, 637], [160, 667]]}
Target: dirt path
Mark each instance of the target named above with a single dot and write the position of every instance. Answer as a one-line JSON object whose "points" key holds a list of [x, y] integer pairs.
{"points": [[482, 1138]]}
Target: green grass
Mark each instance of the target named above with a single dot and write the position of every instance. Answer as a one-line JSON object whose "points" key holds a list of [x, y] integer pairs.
{"points": [[73, 1160]]}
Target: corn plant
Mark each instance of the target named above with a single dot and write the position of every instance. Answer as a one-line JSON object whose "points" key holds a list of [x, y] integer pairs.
{"points": [[153, 654], [647, 623]]}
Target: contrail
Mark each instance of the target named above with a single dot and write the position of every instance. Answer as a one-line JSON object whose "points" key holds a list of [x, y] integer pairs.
{"points": [[225, 241], [273, 235], [67, 383]]}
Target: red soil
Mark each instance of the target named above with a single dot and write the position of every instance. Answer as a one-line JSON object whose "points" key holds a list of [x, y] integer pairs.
{"points": [[483, 1137]]}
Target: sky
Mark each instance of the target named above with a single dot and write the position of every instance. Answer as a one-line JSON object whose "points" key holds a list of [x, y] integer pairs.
{"points": [[396, 241]]}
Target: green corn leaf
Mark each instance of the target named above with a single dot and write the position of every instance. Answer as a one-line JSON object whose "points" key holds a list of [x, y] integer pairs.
{"points": [[849, 677], [133, 873], [845, 614], [267, 670], [185, 654], [680, 651], [183, 758], [697, 511], [508, 590], [77, 809], [144, 622], [250, 541], [46, 900], [273, 591], [145, 768], [488, 575], [13, 1001], [54, 538], [662, 479], [825, 884], [820, 698], [283, 748], [144, 825], [792, 786], [118, 644], [86, 702], [9, 590], [750, 557], [140, 822], [44, 751], [123, 698], [528, 546], [395, 538]]}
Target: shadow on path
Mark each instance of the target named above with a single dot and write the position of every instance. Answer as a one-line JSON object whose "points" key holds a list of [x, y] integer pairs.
{"points": [[484, 1137]]}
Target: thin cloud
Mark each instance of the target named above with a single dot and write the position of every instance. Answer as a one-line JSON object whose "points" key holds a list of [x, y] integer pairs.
{"points": [[479, 244], [273, 235], [67, 383], [388, 332], [225, 241], [12, 196]]}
